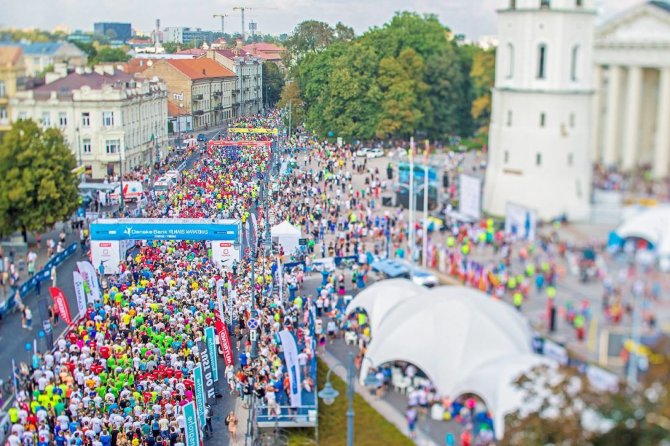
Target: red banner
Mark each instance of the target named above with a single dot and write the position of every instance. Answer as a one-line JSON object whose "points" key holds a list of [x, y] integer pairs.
{"points": [[224, 342], [60, 301]]}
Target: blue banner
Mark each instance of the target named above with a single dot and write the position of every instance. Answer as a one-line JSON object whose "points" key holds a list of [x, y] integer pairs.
{"points": [[165, 230], [192, 433], [211, 348], [200, 397]]}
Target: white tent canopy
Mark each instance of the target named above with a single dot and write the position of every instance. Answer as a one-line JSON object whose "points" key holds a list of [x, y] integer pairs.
{"points": [[378, 299], [652, 225], [286, 235], [459, 337]]}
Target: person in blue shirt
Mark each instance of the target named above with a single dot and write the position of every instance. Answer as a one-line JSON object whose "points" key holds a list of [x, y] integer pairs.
{"points": [[105, 438], [59, 438], [243, 359]]}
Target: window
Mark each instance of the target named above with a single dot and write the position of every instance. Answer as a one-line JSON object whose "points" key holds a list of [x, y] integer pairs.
{"points": [[506, 157], [570, 159], [510, 68], [86, 119], [46, 119], [3, 115], [545, 4], [509, 118], [538, 159], [108, 119], [22, 116], [542, 119], [541, 60], [86, 145], [3, 92], [573, 63], [62, 119], [572, 120], [579, 3], [112, 146]]}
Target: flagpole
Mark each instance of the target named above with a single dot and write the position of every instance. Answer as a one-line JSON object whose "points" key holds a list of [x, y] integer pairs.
{"points": [[411, 201], [424, 256]]}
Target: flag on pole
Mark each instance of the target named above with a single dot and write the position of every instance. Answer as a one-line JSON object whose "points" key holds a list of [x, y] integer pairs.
{"points": [[61, 303]]}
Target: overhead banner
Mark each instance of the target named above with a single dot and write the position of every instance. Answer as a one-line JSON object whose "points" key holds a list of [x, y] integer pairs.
{"points": [[79, 292], [520, 221], [470, 196], [291, 358], [191, 420], [91, 278], [164, 229], [254, 130], [224, 254], [224, 342], [60, 301], [207, 375], [200, 397], [211, 349]]}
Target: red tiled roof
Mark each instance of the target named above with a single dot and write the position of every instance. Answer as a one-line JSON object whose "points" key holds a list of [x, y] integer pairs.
{"points": [[200, 68], [233, 53], [136, 65], [192, 51], [263, 47]]}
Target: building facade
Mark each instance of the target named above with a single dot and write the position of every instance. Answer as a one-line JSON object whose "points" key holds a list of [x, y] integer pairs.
{"points": [[189, 36], [540, 129], [248, 69], [39, 56], [112, 121], [199, 88], [113, 30], [632, 81], [12, 70]]}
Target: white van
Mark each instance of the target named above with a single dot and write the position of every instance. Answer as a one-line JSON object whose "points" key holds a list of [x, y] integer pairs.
{"points": [[162, 185], [132, 191]]}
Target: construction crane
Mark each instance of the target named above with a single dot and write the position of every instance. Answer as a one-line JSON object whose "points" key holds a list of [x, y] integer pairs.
{"points": [[242, 9], [223, 21]]}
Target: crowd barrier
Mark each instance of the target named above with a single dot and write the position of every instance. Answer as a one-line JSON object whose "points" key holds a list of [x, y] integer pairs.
{"points": [[42, 275]]}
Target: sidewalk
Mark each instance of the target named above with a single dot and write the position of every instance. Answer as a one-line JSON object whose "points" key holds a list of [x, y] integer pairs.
{"points": [[384, 408]]}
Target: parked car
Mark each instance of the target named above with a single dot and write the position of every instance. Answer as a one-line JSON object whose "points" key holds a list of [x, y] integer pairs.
{"points": [[202, 137], [363, 152], [375, 153]]}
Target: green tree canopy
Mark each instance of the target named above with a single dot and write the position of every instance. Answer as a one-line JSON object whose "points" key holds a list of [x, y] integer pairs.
{"points": [[290, 97], [38, 187], [273, 82], [109, 54]]}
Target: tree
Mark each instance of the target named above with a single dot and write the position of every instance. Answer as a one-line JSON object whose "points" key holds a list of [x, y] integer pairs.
{"points": [[404, 105], [38, 187], [109, 54], [87, 47], [290, 97], [170, 47], [273, 82], [482, 74]]}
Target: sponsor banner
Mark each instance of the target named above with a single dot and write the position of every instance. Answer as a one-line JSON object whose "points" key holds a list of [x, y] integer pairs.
{"points": [[224, 254], [254, 130], [470, 196], [79, 292], [211, 349], [520, 221], [207, 375], [60, 301], [91, 278], [164, 229], [200, 396], [224, 342], [219, 297], [291, 358], [192, 433], [554, 351], [107, 253]]}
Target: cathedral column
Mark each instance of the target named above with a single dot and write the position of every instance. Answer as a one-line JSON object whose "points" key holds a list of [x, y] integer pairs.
{"points": [[632, 118], [596, 142], [612, 119], [662, 140]]}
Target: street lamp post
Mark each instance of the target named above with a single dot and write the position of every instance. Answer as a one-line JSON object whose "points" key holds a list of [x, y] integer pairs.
{"points": [[328, 393]]}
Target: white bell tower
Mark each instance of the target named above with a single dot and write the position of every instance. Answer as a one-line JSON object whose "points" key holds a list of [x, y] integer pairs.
{"points": [[541, 111]]}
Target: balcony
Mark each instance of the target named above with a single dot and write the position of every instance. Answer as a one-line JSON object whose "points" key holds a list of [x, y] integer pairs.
{"points": [[198, 113], [216, 94], [197, 97], [219, 107]]}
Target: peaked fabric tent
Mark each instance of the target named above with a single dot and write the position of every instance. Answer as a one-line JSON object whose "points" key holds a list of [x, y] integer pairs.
{"points": [[652, 225], [458, 336], [287, 236], [378, 299]]}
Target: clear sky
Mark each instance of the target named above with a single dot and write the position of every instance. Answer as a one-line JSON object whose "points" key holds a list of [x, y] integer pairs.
{"points": [[470, 17]]}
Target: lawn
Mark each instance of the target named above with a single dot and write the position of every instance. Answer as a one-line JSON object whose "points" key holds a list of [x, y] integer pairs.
{"points": [[370, 428]]}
